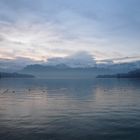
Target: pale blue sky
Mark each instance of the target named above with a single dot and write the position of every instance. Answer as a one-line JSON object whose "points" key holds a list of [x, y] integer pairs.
{"points": [[42, 29]]}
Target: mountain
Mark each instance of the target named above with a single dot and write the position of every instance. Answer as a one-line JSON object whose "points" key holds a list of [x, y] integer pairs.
{"points": [[131, 74], [80, 60], [63, 71], [79, 65], [14, 75]]}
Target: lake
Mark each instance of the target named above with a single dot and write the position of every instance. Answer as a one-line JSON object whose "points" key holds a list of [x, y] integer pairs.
{"points": [[78, 109]]}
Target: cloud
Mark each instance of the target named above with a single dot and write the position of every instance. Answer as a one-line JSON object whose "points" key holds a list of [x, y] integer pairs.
{"points": [[43, 29], [79, 59], [16, 64], [120, 60]]}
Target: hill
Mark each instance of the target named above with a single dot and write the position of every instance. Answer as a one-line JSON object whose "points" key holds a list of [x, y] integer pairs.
{"points": [[131, 74], [14, 75]]}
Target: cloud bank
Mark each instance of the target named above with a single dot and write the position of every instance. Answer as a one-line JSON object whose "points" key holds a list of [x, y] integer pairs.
{"points": [[80, 59]]}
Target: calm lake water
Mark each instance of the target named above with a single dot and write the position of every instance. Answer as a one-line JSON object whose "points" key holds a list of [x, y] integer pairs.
{"points": [[98, 109]]}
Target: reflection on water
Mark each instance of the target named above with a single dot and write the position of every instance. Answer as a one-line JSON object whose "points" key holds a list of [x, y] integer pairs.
{"points": [[39, 109]]}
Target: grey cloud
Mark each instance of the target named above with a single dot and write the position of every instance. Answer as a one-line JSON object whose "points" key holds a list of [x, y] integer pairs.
{"points": [[121, 59], [16, 64], [88, 25], [79, 59]]}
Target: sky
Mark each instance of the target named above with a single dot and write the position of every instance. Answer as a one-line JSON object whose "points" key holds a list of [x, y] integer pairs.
{"points": [[40, 30]]}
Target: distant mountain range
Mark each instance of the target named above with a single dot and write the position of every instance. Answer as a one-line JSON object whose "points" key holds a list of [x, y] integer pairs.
{"points": [[18, 64], [63, 71], [69, 69]]}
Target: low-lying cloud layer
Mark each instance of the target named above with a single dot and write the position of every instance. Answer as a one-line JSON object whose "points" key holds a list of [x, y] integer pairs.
{"points": [[80, 59]]}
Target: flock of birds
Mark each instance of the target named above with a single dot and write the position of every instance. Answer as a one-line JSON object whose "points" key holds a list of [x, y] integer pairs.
{"points": [[14, 91], [28, 90]]}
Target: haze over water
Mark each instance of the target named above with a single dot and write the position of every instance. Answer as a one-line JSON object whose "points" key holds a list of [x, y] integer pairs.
{"points": [[40, 109]]}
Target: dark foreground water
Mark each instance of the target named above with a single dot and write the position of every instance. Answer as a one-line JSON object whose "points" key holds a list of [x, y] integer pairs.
{"points": [[98, 109]]}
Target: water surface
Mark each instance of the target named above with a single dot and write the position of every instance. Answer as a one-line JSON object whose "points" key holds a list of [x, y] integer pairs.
{"points": [[41, 109]]}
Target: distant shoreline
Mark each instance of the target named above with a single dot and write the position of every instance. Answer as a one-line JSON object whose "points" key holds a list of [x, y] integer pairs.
{"points": [[15, 75], [132, 74]]}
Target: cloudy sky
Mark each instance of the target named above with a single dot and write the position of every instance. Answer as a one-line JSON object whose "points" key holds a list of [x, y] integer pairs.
{"points": [[44, 29]]}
